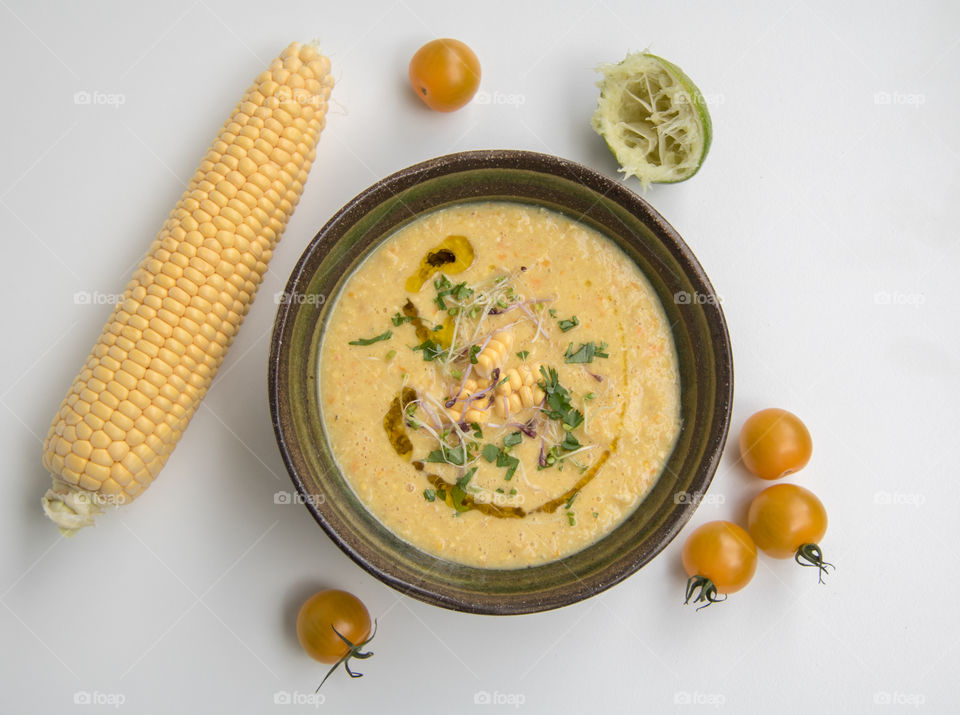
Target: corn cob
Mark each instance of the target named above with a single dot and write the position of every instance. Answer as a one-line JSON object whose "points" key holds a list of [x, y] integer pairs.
{"points": [[475, 411], [518, 390], [166, 339], [494, 353]]}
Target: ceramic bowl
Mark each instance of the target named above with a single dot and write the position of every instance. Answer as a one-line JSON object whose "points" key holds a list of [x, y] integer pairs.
{"points": [[693, 312]]}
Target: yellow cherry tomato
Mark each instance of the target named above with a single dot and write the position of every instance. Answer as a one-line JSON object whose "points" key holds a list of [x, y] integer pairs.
{"points": [[775, 443], [787, 520], [720, 558], [332, 627], [445, 74]]}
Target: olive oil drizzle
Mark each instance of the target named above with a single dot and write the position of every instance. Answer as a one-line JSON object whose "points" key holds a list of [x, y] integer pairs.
{"points": [[442, 337], [454, 254], [393, 422]]}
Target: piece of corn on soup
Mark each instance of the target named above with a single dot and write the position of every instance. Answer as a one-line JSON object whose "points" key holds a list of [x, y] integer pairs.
{"points": [[498, 384], [161, 348]]}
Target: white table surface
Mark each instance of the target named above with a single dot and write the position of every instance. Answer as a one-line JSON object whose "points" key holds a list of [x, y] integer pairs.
{"points": [[823, 216]]}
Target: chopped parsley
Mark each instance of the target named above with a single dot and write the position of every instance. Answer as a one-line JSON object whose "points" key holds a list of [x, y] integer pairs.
{"points": [[375, 339], [444, 288], [399, 319], [429, 495], [477, 432], [431, 350], [513, 439], [558, 405], [553, 313], [511, 463], [568, 324], [448, 455], [523, 354], [474, 351], [571, 518], [502, 458], [459, 491], [585, 353], [391, 354]]}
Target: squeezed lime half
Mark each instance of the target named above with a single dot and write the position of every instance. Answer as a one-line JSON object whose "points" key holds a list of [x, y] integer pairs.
{"points": [[653, 118]]}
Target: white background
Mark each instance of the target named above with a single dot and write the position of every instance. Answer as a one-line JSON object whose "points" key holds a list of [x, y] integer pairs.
{"points": [[824, 215]]}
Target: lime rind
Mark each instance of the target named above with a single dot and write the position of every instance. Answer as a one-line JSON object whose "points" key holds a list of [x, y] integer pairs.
{"points": [[653, 119]]}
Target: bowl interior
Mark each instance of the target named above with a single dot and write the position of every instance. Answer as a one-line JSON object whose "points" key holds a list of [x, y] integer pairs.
{"points": [[692, 310]]}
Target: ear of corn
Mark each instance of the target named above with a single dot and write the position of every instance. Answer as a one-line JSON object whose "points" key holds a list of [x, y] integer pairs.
{"points": [[166, 339], [518, 390], [494, 353]]}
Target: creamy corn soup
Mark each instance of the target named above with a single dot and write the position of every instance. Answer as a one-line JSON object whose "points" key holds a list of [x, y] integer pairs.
{"points": [[499, 384]]}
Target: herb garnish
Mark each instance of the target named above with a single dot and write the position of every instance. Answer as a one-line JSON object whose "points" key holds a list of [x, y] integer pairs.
{"points": [[459, 292], [429, 495], [558, 405], [459, 490], [399, 319], [568, 324], [431, 350], [585, 353], [511, 463], [502, 457], [512, 439], [523, 354], [370, 341], [474, 351], [448, 455]]}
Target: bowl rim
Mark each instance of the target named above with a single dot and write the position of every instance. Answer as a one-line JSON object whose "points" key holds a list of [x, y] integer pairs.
{"points": [[609, 189]]}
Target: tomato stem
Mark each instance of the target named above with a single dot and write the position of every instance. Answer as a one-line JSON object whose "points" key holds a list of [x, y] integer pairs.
{"points": [[811, 555], [353, 652], [707, 591]]}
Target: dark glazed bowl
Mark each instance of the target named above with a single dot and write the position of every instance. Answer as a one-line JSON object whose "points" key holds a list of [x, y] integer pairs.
{"points": [[693, 311]]}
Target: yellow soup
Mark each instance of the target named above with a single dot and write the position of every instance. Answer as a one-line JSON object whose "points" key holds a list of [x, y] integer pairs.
{"points": [[499, 384]]}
